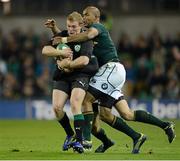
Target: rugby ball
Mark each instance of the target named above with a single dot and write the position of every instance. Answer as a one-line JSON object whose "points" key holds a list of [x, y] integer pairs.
{"points": [[61, 46]]}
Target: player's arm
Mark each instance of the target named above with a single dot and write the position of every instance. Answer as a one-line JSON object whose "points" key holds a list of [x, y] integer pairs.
{"points": [[79, 62], [51, 24], [82, 60], [85, 55], [84, 36], [52, 52]]}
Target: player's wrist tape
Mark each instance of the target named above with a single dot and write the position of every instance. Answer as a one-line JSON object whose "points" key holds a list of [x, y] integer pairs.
{"points": [[64, 40]]}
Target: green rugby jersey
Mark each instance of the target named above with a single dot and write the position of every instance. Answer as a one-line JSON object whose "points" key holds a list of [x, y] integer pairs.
{"points": [[104, 48]]}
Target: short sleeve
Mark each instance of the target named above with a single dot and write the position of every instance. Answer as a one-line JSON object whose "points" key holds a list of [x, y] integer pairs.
{"points": [[98, 27]]}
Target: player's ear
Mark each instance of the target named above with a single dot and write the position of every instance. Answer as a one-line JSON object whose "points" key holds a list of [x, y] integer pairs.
{"points": [[81, 24]]}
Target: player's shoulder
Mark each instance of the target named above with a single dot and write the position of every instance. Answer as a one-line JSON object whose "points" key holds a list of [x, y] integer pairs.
{"points": [[97, 25]]}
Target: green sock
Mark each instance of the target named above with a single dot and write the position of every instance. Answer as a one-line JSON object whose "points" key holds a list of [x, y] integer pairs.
{"points": [[88, 118], [120, 125], [143, 116], [78, 126]]}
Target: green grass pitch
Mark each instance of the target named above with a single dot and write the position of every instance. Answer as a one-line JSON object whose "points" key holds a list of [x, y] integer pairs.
{"points": [[42, 140]]}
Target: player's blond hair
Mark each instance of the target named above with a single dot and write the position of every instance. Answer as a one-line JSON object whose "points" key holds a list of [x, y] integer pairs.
{"points": [[75, 16]]}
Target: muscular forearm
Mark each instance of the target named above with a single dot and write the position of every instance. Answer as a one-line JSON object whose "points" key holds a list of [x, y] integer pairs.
{"points": [[50, 51], [55, 30], [79, 62], [78, 38]]}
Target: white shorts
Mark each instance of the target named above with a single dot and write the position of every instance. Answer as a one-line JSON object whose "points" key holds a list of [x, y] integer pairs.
{"points": [[109, 79]]}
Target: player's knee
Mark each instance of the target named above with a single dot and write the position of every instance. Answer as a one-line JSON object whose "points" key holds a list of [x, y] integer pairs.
{"points": [[87, 106], [75, 105], [57, 107], [129, 116], [58, 110], [75, 102]]}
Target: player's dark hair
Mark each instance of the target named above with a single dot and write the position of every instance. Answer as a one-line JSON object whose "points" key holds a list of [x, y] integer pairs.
{"points": [[95, 11]]}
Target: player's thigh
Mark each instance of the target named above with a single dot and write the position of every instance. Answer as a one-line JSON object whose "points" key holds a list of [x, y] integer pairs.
{"points": [[59, 98], [60, 93], [123, 109], [78, 90], [77, 96], [87, 102]]}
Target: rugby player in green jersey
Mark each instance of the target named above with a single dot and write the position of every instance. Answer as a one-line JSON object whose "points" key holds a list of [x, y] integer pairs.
{"points": [[106, 85], [97, 131]]}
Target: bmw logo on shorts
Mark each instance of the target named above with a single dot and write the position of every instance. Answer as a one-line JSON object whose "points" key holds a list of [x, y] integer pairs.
{"points": [[104, 86]]}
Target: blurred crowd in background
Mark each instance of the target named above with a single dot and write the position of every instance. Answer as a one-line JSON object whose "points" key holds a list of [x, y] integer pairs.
{"points": [[24, 72], [152, 62], [152, 65]]}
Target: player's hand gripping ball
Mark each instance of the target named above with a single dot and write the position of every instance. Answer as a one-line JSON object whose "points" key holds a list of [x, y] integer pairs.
{"points": [[60, 47]]}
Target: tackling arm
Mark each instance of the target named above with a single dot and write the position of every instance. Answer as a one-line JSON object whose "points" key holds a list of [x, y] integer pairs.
{"points": [[81, 37], [84, 36]]}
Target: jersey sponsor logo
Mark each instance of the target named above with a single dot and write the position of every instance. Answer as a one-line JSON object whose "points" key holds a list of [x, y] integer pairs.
{"points": [[77, 48], [104, 86]]}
